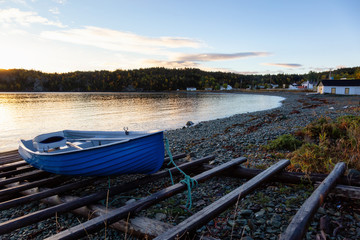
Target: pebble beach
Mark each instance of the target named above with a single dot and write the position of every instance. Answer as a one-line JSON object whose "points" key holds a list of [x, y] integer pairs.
{"points": [[265, 213]]}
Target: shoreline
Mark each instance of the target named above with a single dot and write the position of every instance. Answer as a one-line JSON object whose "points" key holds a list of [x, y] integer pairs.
{"points": [[265, 213], [256, 128]]}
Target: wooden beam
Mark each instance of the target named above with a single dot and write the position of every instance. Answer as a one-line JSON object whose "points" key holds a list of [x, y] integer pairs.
{"points": [[290, 177], [8, 153], [141, 227], [28, 219], [344, 191], [210, 212], [29, 185], [12, 166], [17, 171], [44, 194], [100, 222], [27, 176], [299, 224]]}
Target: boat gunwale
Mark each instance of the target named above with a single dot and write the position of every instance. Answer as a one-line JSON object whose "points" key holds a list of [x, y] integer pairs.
{"points": [[22, 145]]}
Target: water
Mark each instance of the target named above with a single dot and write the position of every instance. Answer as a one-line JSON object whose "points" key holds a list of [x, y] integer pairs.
{"points": [[26, 115]]}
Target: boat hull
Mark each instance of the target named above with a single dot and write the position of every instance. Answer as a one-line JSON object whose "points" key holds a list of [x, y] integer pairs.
{"points": [[144, 155]]}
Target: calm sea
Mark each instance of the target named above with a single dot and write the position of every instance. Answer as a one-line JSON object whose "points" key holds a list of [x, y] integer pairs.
{"points": [[25, 115]]}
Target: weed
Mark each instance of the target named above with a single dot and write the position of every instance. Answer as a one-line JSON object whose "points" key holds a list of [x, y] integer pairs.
{"points": [[327, 142], [284, 142]]}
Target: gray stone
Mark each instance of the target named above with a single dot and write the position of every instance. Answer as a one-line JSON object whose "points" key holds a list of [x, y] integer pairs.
{"points": [[260, 213], [160, 216], [246, 212]]}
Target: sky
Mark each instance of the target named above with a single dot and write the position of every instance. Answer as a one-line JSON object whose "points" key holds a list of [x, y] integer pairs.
{"points": [[240, 36]]}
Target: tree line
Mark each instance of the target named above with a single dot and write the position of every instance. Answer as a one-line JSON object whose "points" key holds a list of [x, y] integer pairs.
{"points": [[151, 79]]}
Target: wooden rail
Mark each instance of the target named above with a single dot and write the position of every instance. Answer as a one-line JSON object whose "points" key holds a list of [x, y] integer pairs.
{"points": [[298, 226], [18, 178], [120, 213], [290, 177], [205, 215], [65, 207]]}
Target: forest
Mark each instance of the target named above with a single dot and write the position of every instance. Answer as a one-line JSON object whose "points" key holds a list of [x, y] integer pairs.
{"points": [[151, 79]]}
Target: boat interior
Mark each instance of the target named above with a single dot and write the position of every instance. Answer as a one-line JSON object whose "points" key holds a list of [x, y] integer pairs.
{"points": [[68, 140]]}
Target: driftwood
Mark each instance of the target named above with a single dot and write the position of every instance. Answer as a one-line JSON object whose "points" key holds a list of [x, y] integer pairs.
{"points": [[298, 226], [33, 217], [123, 212], [205, 215]]}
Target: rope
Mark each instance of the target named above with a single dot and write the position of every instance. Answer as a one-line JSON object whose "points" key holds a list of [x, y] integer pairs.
{"points": [[190, 182]]}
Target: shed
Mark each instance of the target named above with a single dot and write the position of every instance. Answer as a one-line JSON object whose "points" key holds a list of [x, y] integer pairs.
{"points": [[344, 87]]}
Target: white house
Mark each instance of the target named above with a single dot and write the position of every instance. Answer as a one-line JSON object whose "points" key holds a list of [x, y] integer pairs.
{"points": [[227, 88], [191, 89], [293, 86], [344, 87], [307, 85]]}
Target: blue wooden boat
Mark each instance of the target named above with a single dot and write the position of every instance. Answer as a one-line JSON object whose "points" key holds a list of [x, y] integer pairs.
{"points": [[95, 153]]}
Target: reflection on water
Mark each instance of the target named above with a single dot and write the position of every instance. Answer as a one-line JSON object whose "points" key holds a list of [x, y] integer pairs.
{"points": [[25, 115]]}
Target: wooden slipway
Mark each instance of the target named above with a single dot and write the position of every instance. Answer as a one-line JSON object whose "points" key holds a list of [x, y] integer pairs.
{"points": [[21, 184]]}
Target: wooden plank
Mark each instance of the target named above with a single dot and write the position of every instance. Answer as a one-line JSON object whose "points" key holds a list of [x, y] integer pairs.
{"points": [[12, 166], [299, 224], [141, 227], [100, 222], [44, 194], [344, 191], [34, 217], [29, 185], [290, 177], [210, 212], [16, 172], [27, 176], [9, 159], [9, 153]]}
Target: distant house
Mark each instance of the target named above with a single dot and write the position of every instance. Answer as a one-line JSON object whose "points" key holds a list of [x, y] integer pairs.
{"points": [[274, 85], [307, 85], [344, 87], [293, 86], [208, 89], [191, 89], [227, 88]]}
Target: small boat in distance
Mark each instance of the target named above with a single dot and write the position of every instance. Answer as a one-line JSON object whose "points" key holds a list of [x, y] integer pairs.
{"points": [[95, 153]]}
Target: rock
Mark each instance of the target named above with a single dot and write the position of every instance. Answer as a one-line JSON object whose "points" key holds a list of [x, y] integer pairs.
{"points": [[231, 223], [160, 216], [353, 173], [321, 210], [189, 123], [246, 238], [246, 212], [275, 221], [260, 214]]}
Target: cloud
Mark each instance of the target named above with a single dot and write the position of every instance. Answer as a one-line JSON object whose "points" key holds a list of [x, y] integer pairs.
{"points": [[54, 10], [120, 41], [284, 65], [63, 2], [14, 15], [170, 64], [219, 56]]}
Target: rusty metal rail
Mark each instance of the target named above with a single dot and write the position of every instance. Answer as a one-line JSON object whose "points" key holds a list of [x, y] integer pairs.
{"points": [[16, 178]]}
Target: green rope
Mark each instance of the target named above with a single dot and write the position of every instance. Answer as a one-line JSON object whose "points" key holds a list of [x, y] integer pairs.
{"points": [[190, 182]]}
